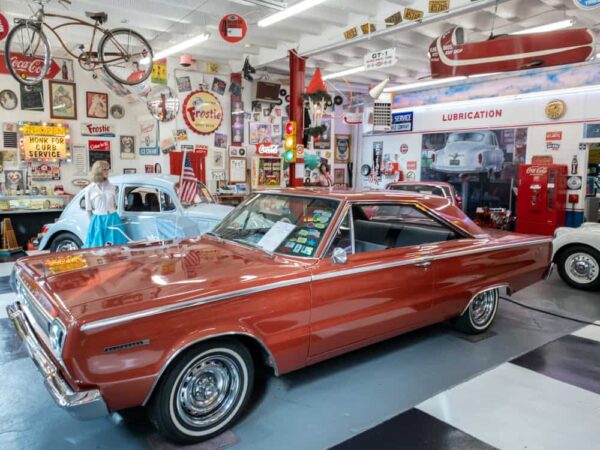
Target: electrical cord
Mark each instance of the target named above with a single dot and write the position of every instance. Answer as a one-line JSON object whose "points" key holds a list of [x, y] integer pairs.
{"points": [[533, 308]]}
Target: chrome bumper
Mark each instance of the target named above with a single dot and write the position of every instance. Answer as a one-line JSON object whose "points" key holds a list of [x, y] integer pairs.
{"points": [[83, 405]]}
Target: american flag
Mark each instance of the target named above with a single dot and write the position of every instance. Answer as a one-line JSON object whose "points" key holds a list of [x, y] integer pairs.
{"points": [[188, 182]]}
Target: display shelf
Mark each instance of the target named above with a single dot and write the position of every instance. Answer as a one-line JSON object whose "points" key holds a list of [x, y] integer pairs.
{"points": [[32, 203]]}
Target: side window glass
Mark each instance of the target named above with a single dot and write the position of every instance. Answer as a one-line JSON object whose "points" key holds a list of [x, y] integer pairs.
{"points": [[166, 202], [141, 199], [385, 226], [82, 202], [343, 237]]}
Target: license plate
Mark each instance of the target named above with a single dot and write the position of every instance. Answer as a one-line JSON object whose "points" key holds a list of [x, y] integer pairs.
{"points": [[455, 162]]}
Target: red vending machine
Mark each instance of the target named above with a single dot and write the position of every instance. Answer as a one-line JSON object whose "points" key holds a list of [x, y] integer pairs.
{"points": [[542, 198]]}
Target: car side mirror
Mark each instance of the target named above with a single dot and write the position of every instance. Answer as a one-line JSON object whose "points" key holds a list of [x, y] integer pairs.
{"points": [[339, 256]]}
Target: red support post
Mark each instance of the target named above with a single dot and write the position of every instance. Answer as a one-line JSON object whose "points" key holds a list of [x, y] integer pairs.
{"points": [[297, 75]]}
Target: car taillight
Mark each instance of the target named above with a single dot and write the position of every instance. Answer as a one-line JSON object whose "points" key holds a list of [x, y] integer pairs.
{"points": [[433, 157], [44, 229], [480, 158]]}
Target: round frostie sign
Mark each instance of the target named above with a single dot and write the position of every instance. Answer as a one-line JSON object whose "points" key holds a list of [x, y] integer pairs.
{"points": [[202, 112]]}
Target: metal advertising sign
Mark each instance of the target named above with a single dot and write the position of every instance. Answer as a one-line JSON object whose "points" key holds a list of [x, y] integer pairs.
{"points": [[97, 129], [402, 121], [31, 66], [202, 112], [380, 59]]}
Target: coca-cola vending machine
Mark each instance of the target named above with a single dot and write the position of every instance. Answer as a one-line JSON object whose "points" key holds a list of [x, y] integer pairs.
{"points": [[542, 198]]}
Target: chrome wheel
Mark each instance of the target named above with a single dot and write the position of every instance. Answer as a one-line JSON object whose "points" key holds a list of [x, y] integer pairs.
{"points": [[209, 389], [582, 268], [483, 308], [66, 246]]}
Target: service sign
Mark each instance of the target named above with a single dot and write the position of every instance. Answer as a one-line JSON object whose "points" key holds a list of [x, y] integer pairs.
{"points": [[202, 112], [380, 59], [44, 147], [98, 129], [402, 121]]}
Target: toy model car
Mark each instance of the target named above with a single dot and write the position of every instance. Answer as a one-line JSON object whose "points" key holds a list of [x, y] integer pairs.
{"points": [[439, 188], [577, 255], [149, 208], [469, 152], [288, 279]]}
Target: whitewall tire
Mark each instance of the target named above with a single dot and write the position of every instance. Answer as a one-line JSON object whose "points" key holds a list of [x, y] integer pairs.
{"points": [[579, 267], [480, 313]]}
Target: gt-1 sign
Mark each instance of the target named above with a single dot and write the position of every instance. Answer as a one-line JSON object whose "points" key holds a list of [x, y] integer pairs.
{"points": [[380, 59]]}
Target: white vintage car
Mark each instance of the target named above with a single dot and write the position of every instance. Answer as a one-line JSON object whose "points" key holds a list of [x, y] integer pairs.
{"points": [[469, 152], [577, 255]]}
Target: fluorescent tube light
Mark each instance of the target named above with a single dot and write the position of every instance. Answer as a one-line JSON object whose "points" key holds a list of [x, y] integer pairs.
{"points": [[289, 12], [548, 27], [343, 73], [405, 87], [177, 48]]}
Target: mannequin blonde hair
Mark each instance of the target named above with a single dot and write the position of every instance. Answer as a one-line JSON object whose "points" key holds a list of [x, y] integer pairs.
{"points": [[97, 168]]}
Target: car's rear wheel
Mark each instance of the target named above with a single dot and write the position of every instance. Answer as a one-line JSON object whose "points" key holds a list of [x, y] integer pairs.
{"points": [[480, 314], [204, 391], [65, 242], [579, 267]]}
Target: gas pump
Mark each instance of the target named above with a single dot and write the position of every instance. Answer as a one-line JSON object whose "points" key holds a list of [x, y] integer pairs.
{"points": [[542, 198]]}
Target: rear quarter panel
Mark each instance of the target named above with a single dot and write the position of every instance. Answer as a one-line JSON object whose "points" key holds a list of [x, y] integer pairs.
{"points": [[466, 267]]}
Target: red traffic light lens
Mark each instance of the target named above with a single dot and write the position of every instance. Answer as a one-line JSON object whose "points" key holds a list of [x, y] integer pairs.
{"points": [[289, 128]]}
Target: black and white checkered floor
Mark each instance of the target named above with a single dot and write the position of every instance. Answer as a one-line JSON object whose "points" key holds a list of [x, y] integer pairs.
{"points": [[532, 382]]}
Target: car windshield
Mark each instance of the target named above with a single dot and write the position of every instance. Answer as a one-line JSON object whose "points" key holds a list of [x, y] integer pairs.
{"points": [[420, 188], [466, 137], [280, 223], [202, 196]]}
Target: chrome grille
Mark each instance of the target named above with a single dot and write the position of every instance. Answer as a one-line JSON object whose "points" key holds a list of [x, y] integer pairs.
{"points": [[29, 303]]}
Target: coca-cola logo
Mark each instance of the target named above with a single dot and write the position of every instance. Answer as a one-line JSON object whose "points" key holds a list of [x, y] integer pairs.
{"points": [[30, 66], [267, 149], [536, 170]]}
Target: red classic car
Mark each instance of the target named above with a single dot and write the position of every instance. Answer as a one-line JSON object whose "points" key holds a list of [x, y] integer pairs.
{"points": [[439, 188], [289, 278]]}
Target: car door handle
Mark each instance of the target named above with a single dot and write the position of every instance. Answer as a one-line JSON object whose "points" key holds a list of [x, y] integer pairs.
{"points": [[424, 264]]}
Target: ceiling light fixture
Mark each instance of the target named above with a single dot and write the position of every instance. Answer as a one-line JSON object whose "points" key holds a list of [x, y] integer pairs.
{"points": [[548, 27], [343, 73], [289, 12], [178, 48], [405, 87]]}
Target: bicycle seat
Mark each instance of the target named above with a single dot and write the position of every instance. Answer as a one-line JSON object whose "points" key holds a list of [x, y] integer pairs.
{"points": [[99, 17]]}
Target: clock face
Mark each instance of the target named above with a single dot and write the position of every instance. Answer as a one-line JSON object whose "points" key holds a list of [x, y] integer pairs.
{"points": [[574, 183]]}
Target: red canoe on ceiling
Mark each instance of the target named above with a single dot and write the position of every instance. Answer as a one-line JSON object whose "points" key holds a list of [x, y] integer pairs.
{"points": [[450, 56]]}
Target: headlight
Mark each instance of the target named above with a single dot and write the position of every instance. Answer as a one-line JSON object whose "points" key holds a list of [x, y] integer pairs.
{"points": [[57, 335]]}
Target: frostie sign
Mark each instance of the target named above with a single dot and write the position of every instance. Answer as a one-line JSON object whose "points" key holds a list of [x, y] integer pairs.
{"points": [[95, 129], [202, 112]]}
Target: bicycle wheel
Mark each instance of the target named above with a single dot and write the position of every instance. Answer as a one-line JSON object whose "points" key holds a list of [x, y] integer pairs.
{"points": [[28, 46], [126, 56]]}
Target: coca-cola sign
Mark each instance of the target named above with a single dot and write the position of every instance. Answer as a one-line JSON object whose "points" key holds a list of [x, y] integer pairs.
{"points": [[537, 170], [97, 129], [103, 146], [32, 67], [267, 149]]}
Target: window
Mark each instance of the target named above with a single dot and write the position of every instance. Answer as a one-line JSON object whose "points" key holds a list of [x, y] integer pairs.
{"points": [[466, 137], [420, 188], [146, 199], [391, 225]]}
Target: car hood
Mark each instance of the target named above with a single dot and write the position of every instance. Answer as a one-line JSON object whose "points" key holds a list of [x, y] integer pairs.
{"points": [[211, 211], [101, 283]]}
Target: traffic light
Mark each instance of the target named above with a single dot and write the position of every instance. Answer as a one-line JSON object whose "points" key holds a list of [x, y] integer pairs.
{"points": [[289, 153]]}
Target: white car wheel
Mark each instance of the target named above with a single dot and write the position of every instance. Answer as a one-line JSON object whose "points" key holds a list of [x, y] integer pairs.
{"points": [[579, 267]]}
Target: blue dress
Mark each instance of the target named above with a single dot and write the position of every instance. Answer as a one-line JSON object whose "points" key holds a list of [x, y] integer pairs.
{"points": [[105, 229]]}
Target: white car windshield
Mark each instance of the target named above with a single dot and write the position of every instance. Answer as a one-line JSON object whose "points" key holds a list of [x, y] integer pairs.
{"points": [[466, 137], [280, 223]]}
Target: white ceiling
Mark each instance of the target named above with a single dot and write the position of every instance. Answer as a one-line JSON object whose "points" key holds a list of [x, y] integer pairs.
{"points": [[167, 22]]}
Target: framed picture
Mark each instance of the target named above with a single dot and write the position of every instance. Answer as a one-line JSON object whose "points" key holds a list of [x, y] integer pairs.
{"points": [[66, 69], [218, 161], [343, 148], [237, 170], [149, 168], [220, 140], [8, 99], [127, 145], [126, 171], [323, 141], [97, 105], [339, 176], [63, 100], [157, 168], [218, 86], [184, 84], [260, 132], [32, 97], [14, 180]]}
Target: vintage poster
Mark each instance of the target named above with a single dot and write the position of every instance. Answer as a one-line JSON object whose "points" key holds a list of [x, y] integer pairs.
{"points": [[148, 135], [32, 97], [260, 132], [343, 148], [127, 146], [99, 151], [323, 141], [45, 171], [63, 100]]}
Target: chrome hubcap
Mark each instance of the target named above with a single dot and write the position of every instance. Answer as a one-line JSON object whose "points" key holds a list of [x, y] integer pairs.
{"points": [[582, 267], [66, 246], [482, 307], [208, 391]]}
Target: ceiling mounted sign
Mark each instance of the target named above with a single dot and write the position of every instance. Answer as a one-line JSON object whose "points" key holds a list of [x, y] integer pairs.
{"points": [[380, 59], [233, 28], [3, 27], [202, 112]]}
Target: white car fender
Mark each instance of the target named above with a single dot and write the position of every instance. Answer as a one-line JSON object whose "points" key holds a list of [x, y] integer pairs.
{"points": [[587, 234]]}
